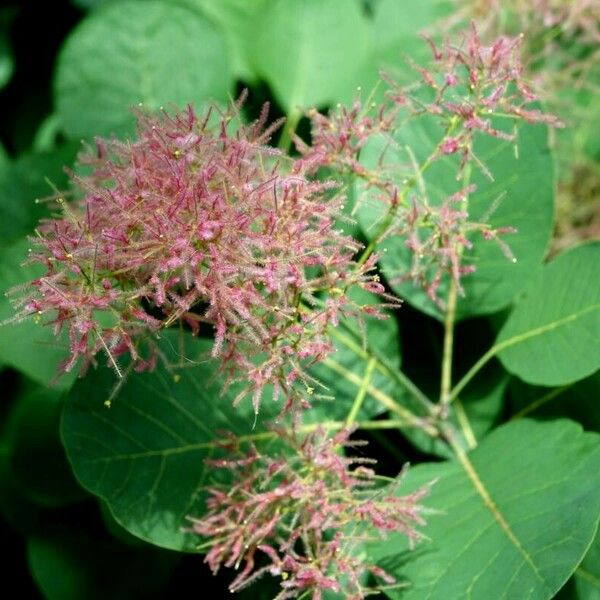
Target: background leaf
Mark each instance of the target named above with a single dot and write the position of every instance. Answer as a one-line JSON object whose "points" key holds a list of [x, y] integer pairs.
{"points": [[32, 176], [237, 18], [553, 334], [323, 48], [7, 60], [528, 205], [145, 455], [587, 575], [516, 516], [130, 52], [396, 32], [37, 459], [585, 582], [30, 347], [69, 564], [577, 401]]}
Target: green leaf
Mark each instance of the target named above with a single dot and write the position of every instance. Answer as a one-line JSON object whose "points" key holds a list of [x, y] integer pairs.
{"points": [[516, 515], [344, 373], [32, 176], [30, 347], [144, 456], [473, 415], [130, 52], [577, 401], [7, 60], [237, 18], [38, 463], [313, 52], [70, 564], [396, 28], [553, 334], [528, 205]]}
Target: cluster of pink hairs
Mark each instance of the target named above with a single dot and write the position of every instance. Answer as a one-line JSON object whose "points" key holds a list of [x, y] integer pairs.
{"points": [[200, 222]]}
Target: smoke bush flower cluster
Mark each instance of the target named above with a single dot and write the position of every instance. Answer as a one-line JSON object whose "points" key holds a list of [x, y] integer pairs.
{"points": [[474, 82], [301, 517], [199, 222], [576, 18], [467, 90], [191, 223], [561, 38]]}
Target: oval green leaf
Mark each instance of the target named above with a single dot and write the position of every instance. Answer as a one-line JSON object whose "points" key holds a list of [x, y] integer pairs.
{"points": [[144, 456], [313, 52], [523, 197], [31, 348], [552, 336], [516, 516], [156, 53]]}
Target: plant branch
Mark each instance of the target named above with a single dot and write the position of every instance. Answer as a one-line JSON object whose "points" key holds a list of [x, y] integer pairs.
{"points": [[466, 379], [450, 317], [385, 400], [541, 401], [285, 141], [393, 373], [362, 392], [465, 425]]}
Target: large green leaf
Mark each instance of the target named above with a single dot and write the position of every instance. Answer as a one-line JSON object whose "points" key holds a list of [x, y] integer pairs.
{"points": [[28, 346], [552, 336], [396, 28], [130, 52], [312, 52], [144, 456], [32, 176], [587, 575], [69, 564], [237, 19], [524, 185], [361, 358], [38, 464], [516, 515], [577, 401]]}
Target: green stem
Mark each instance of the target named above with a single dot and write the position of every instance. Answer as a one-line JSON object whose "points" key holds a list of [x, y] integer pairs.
{"points": [[362, 392], [409, 184], [446, 383], [285, 141], [541, 401], [380, 424], [450, 319], [383, 398], [460, 386], [465, 425], [393, 373]]}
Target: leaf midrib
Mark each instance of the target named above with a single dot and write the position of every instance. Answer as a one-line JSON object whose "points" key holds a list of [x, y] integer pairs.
{"points": [[485, 495], [540, 330]]}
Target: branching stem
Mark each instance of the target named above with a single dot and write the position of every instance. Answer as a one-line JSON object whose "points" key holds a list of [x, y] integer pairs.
{"points": [[449, 320]]}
